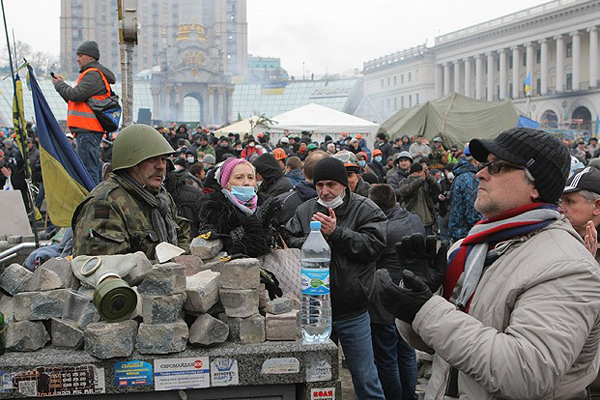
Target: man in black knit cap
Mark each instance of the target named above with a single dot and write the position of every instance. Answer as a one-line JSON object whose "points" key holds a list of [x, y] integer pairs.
{"points": [[355, 229], [519, 315]]}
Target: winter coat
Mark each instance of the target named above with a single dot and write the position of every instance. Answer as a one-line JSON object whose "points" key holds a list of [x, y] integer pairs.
{"points": [[221, 151], [290, 201], [385, 148], [378, 170], [394, 181], [417, 148], [533, 327], [420, 196], [217, 214], [463, 194], [274, 183], [356, 244], [362, 187], [362, 144], [90, 85], [248, 151], [401, 223], [186, 196], [295, 176]]}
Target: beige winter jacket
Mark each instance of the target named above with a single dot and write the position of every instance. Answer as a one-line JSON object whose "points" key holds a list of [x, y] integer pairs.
{"points": [[533, 327]]}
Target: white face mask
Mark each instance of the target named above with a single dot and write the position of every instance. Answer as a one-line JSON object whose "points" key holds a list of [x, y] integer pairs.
{"points": [[338, 201], [450, 176], [190, 160]]}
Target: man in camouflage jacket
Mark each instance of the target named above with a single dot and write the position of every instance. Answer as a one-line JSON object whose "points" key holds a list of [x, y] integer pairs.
{"points": [[131, 211]]}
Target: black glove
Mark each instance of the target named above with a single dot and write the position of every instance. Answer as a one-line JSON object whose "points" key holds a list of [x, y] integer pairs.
{"points": [[271, 283], [402, 302], [268, 210], [419, 256]]}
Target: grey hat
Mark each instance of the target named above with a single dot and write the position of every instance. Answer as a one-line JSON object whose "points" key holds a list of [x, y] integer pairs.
{"points": [[404, 154], [209, 158], [89, 48]]}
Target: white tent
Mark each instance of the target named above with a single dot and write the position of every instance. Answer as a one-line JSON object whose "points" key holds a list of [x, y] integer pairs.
{"points": [[322, 121], [242, 127]]}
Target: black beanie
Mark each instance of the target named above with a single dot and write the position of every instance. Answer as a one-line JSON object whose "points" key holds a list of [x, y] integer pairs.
{"points": [[330, 169], [543, 155], [89, 48], [416, 167]]}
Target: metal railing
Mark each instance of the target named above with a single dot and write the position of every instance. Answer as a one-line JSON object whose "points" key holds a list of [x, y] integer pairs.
{"points": [[396, 57]]}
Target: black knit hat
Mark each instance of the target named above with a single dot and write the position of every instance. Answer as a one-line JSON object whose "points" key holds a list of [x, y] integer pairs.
{"points": [[330, 169], [545, 157], [416, 167], [89, 48]]}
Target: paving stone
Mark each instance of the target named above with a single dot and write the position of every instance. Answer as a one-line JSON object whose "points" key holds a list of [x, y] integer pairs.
{"points": [[243, 273], [43, 280], [208, 330], [280, 305], [205, 249], [62, 267], [245, 330], [26, 336], [191, 264], [14, 239], [239, 303], [164, 279], [15, 279], [108, 340], [217, 258], [142, 267], [283, 326], [202, 291], [66, 335], [162, 338], [90, 315], [7, 307], [262, 296], [35, 306], [162, 309]]}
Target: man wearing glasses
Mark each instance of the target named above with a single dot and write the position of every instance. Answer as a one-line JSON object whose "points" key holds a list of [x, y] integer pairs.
{"points": [[519, 316]]}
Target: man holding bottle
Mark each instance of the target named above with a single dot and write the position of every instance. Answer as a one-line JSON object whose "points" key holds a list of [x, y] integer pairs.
{"points": [[355, 229]]}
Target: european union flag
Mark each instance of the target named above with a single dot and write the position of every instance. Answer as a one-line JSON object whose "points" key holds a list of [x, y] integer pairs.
{"points": [[527, 83], [66, 181]]}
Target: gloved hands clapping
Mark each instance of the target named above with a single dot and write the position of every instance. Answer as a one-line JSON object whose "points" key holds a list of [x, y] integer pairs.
{"points": [[419, 256], [402, 302], [268, 211]]}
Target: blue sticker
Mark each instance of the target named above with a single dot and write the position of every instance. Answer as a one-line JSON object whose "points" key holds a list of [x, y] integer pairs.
{"points": [[133, 373], [315, 281]]}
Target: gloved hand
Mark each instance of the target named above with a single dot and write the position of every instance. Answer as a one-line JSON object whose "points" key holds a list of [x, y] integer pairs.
{"points": [[402, 302], [271, 283], [419, 256], [268, 211]]}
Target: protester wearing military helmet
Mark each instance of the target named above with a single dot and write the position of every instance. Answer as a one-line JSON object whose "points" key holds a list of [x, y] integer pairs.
{"points": [[131, 211]]}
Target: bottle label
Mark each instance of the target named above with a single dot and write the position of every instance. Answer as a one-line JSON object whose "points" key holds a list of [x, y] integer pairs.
{"points": [[315, 281]]}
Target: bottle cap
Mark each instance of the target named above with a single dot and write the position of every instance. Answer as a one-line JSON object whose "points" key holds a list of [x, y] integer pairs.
{"points": [[315, 225]]}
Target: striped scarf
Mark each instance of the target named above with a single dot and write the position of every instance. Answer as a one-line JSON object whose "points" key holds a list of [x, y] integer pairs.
{"points": [[470, 256]]}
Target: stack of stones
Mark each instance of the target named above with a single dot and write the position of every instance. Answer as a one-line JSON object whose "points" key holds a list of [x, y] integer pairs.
{"points": [[198, 299]]}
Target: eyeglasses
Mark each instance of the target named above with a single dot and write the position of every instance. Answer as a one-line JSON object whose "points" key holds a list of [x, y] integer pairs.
{"points": [[495, 167]]}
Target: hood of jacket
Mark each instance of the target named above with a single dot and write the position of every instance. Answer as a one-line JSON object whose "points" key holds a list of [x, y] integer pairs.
{"points": [[268, 167], [110, 77], [306, 190]]}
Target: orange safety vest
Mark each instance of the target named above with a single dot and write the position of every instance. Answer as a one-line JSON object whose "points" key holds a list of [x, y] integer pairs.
{"points": [[80, 115]]}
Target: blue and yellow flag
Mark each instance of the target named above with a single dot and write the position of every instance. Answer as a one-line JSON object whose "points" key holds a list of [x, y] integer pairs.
{"points": [[273, 88], [66, 181], [527, 83]]}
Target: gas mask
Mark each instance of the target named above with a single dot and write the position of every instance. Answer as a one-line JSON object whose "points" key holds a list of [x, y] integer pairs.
{"points": [[114, 299]]}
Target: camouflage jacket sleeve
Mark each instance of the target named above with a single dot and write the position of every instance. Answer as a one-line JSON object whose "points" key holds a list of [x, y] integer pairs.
{"points": [[99, 229]]}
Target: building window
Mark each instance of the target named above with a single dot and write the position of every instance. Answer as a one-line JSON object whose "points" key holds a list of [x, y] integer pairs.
{"points": [[510, 91], [569, 81], [402, 78], [395, 103], [539, 86], [410, 76], [525, 61], [402, 101], [388, 104], [395, 80], [389, 81], [417, 98], [569, 50], [510, 62], [409, 100], [538, 56], [382, 83]]}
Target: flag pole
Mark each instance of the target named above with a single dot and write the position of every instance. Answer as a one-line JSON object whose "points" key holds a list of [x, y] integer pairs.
{"points": [[20, 133]]}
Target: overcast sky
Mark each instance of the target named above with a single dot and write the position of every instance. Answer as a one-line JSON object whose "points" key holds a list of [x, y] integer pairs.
{"points": [[327, 35]]}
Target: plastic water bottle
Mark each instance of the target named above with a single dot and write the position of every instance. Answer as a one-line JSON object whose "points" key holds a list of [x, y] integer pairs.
{"points": [[316, 300]]}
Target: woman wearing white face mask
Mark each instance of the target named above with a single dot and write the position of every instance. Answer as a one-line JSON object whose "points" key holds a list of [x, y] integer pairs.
{"points": [[231, 212]]}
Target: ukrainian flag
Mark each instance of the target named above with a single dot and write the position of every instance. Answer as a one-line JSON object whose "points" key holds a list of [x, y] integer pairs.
{"points": [[66, 181], [273, 88], [527, 83]]}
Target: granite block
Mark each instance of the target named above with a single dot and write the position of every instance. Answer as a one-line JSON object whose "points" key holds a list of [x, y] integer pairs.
{"points": [[62, 268], [66, 335], [202, 291], [162, 309], [239, 303], [43, 280], [7, 307], [109, 340], [245, 330], [15, 279], [164, 279], [243, 273], [191, 264], [283, 326], [207, 330], [205, 249], [141, 269], [162, 338], [279, 305], [35, 306], [26, 336]]}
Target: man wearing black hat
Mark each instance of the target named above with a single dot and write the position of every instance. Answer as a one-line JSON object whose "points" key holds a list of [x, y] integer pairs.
{"points": [[94, 80], [355, 228], [520, 312]]}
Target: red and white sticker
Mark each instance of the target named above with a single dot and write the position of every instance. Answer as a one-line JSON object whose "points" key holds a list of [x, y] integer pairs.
{"points": [[322, 394]]}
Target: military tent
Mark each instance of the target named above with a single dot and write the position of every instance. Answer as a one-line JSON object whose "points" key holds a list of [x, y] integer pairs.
{"points": [[455, 118]]}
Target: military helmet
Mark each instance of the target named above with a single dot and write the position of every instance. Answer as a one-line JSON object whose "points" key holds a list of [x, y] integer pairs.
{"points": [[348, 158], [137, 143]]}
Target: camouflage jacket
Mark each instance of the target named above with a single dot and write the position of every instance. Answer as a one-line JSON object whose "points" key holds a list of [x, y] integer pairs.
{"points": [[112, 220]]}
